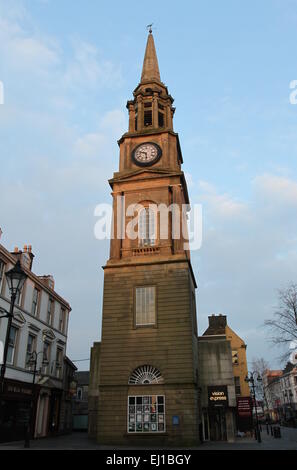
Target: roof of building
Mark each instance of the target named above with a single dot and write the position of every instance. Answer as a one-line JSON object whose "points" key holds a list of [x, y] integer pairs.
{"points": [[9, 257], [70, 363]]}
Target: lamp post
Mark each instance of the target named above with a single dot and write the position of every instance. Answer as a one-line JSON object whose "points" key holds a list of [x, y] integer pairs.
{"points": [[31, 361], [15, 279], [250, 379]]}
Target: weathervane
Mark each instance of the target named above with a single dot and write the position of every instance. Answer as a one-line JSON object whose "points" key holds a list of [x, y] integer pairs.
{"points": [[149, 27]]}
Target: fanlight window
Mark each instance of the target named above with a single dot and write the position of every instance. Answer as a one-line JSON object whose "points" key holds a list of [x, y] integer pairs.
{"points": [[146, 375]]}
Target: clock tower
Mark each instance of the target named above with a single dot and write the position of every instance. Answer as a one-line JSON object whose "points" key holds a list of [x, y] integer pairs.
{"points": [[146, 375]]}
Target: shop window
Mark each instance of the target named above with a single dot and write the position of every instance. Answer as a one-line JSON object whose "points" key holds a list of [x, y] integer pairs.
{"points": [[146, 414]]}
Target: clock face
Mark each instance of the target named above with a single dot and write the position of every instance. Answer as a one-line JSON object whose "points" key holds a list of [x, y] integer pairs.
{"points": [[146, 154]]}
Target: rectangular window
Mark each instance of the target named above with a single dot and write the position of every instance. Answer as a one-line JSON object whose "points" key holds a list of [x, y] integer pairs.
{"points": [[12, 341], [235, 357], [145, 306], [18, 299], [62, 319], [46, 357], [2, 269], [148, 118], [35, 299], [59, 363], [50, 311], [31, 346], [237, 386], [147, 223], [146, 414], [161, 119]]}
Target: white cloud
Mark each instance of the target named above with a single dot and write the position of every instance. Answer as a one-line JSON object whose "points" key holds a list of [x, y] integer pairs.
{"points": [[221, 204], [277, 189], [24, 50], [88, 68]]}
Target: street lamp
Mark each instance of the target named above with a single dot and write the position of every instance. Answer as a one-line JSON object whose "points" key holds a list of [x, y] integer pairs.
{"points": [[32, 361], [250, 379], [15, 279]]}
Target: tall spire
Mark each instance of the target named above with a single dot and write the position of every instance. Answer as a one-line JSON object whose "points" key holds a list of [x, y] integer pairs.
{"points": [[150, 69]]}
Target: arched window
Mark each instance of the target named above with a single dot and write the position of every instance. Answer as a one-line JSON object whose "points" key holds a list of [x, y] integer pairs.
{"points": [[145, 375], [147, 227]]}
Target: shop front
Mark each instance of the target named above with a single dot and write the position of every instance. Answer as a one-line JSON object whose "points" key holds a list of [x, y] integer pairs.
{"points": [[15, 409], [218, 417]]}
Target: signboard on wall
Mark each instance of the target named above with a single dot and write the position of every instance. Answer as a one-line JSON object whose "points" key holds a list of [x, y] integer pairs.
{"points": [[217, 396], [244, 407]]}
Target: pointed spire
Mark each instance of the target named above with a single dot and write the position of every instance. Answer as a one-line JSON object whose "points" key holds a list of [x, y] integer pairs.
{"points": [[150, 69]]}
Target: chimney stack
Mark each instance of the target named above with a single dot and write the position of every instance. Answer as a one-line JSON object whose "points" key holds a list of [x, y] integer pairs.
{"points": [[25, 257]]}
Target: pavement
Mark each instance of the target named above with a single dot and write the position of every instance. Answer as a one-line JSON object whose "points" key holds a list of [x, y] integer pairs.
{"points": [[80, 441]]}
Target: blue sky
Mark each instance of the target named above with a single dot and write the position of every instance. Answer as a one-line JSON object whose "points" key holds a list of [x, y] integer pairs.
{"points": [[68, 69]]}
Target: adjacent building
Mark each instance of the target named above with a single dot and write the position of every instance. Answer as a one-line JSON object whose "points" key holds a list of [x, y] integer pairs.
{"points": [[80, 401], [225, 394], [40, 325], [280, 394]]}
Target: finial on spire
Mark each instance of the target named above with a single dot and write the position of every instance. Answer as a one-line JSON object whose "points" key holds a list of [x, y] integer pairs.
{"points": [[150, 69], [150, 28]]}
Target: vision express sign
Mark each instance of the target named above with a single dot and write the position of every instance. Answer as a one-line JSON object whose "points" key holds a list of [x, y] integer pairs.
{"points": [[218, 396]]}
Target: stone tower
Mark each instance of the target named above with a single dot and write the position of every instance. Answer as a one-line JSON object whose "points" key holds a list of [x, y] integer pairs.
{"points": [[147, 377]]}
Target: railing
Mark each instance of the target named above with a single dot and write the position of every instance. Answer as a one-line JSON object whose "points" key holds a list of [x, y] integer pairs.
{"points": [[146, 250]]}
